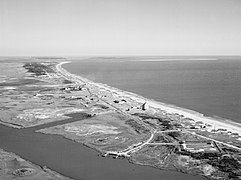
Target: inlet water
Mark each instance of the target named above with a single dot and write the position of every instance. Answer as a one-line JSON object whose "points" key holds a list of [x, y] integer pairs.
{"points": [[74, 159]]}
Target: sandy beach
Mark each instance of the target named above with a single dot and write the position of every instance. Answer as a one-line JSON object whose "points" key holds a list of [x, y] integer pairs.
{"points": [[214, 122]]}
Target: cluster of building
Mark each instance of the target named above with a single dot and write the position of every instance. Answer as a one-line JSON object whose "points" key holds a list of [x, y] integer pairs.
{"points": [[72, 88], [198, 146]]}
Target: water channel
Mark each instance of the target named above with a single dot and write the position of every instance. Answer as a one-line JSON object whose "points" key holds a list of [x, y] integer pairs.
{"points": [[73, 159]]}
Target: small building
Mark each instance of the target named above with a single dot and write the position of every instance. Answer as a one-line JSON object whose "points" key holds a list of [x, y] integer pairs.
{"points": [[221, 130], [236, 135], [183, 145], [197, 146], [144, 106]]}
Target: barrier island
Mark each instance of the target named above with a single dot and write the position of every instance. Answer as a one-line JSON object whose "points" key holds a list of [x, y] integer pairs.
{"points": [[116, 123]]}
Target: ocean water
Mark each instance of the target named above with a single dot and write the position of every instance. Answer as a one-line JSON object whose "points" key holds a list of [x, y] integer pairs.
{"points": [[212, 88]]}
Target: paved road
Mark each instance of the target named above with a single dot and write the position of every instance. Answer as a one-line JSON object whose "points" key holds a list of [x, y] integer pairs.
{"points": [[174, 144], [166, 131], [140, 146]]}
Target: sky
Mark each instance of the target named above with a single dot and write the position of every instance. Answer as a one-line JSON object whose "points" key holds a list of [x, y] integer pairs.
{"points": [[120, 27]]}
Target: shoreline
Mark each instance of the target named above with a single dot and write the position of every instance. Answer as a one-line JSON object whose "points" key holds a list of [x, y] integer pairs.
{"points": [[215, 123], [154, 109], [100, 153], [97, 154]]}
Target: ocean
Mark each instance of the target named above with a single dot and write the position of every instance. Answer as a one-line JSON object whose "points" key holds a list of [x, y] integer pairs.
{"points": [[210, 87]]}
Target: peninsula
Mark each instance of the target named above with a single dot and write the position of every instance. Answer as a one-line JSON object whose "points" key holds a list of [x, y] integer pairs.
{"points": [[116, 123]]}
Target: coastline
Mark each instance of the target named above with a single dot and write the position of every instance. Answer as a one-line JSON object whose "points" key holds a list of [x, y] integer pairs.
{"points": [[196, 116]]}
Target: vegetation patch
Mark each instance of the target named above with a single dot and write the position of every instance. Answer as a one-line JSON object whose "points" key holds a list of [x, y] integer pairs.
{"points": [[37, 68], [140, 129]]}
